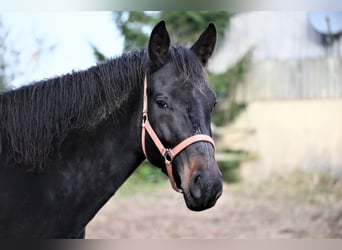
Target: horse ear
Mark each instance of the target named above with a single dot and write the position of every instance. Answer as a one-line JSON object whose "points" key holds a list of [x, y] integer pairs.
{"points": [[159, 44], [205, 44]]}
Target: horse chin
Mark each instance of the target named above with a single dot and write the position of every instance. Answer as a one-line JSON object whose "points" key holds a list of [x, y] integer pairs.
{"points": [[199, 206]]}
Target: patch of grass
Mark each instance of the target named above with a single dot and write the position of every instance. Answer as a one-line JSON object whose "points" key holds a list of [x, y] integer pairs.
{"points": [[230, 170], [307, 187], [146, 179], [229, 163]]}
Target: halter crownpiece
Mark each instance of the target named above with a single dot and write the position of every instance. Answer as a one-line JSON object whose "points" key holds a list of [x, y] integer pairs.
{"points": [[167, 153]]}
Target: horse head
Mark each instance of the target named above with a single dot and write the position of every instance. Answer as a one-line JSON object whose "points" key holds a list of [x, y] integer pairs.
{"points": [[178, 105]]}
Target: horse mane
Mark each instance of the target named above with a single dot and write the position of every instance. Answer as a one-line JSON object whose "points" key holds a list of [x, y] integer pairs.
{"points": [[35, 119]]}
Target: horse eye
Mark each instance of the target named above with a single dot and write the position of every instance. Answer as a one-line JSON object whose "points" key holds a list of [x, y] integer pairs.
{"points": [[162, 104]]}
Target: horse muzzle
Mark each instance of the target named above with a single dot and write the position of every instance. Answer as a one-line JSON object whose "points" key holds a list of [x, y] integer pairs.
{"points": [[201, 182]]}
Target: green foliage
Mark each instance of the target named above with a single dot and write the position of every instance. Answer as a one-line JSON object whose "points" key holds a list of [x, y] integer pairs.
{"points": [[3, 64], [225, 85], [150, 173], [145, 179], [230, 167], [8, 58], [135, 27], [228, 109], [182, 26], [97, 53], [225, 115], [2, 83], [229, 170]]}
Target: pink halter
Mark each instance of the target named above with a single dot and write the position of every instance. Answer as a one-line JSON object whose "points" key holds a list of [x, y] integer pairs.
{"points": [[167, 153]]}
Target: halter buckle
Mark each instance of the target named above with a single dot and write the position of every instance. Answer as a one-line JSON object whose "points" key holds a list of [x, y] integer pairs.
{"points": [[144, 119], [168, 156]]}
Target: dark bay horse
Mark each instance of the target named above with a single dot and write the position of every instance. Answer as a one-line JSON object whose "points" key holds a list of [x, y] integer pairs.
{"points": [[68, 143]]}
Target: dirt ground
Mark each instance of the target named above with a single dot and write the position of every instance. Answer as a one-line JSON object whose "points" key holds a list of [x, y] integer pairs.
{"points": [[243, 211]]}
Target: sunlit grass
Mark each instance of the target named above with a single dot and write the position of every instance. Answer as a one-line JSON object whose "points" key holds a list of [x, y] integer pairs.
{"points": [[146, 179], [307, 187]]}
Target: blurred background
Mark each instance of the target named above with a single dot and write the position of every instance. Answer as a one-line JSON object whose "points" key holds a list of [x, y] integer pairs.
{"points": [[278, 123]]}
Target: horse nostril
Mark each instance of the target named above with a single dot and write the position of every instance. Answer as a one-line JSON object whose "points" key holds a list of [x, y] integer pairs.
{"points": [[197, 179], [196, 187]]}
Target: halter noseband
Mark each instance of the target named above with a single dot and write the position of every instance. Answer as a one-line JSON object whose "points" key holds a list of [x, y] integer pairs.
{"points": [[167, 153]]}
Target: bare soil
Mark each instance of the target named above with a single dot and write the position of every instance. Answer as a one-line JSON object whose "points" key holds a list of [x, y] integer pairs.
{"points": [[244, 211]]}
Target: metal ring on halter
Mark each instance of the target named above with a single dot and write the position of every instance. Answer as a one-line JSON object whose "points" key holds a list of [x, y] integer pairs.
{"points": [[144, 118], [168, 156]]}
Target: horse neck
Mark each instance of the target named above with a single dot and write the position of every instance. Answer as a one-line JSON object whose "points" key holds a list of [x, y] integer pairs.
{"points": [[116, 140], [103, 160]]}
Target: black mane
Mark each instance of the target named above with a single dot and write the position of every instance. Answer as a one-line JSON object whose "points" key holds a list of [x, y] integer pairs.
{"points": [[36, 118]]}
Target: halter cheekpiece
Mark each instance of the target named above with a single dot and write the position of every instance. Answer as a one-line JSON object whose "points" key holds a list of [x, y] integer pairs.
{"points": [[167, 153]]}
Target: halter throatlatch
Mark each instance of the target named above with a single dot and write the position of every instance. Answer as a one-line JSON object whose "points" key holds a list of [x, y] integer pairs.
{"points": [[167, 153]]}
